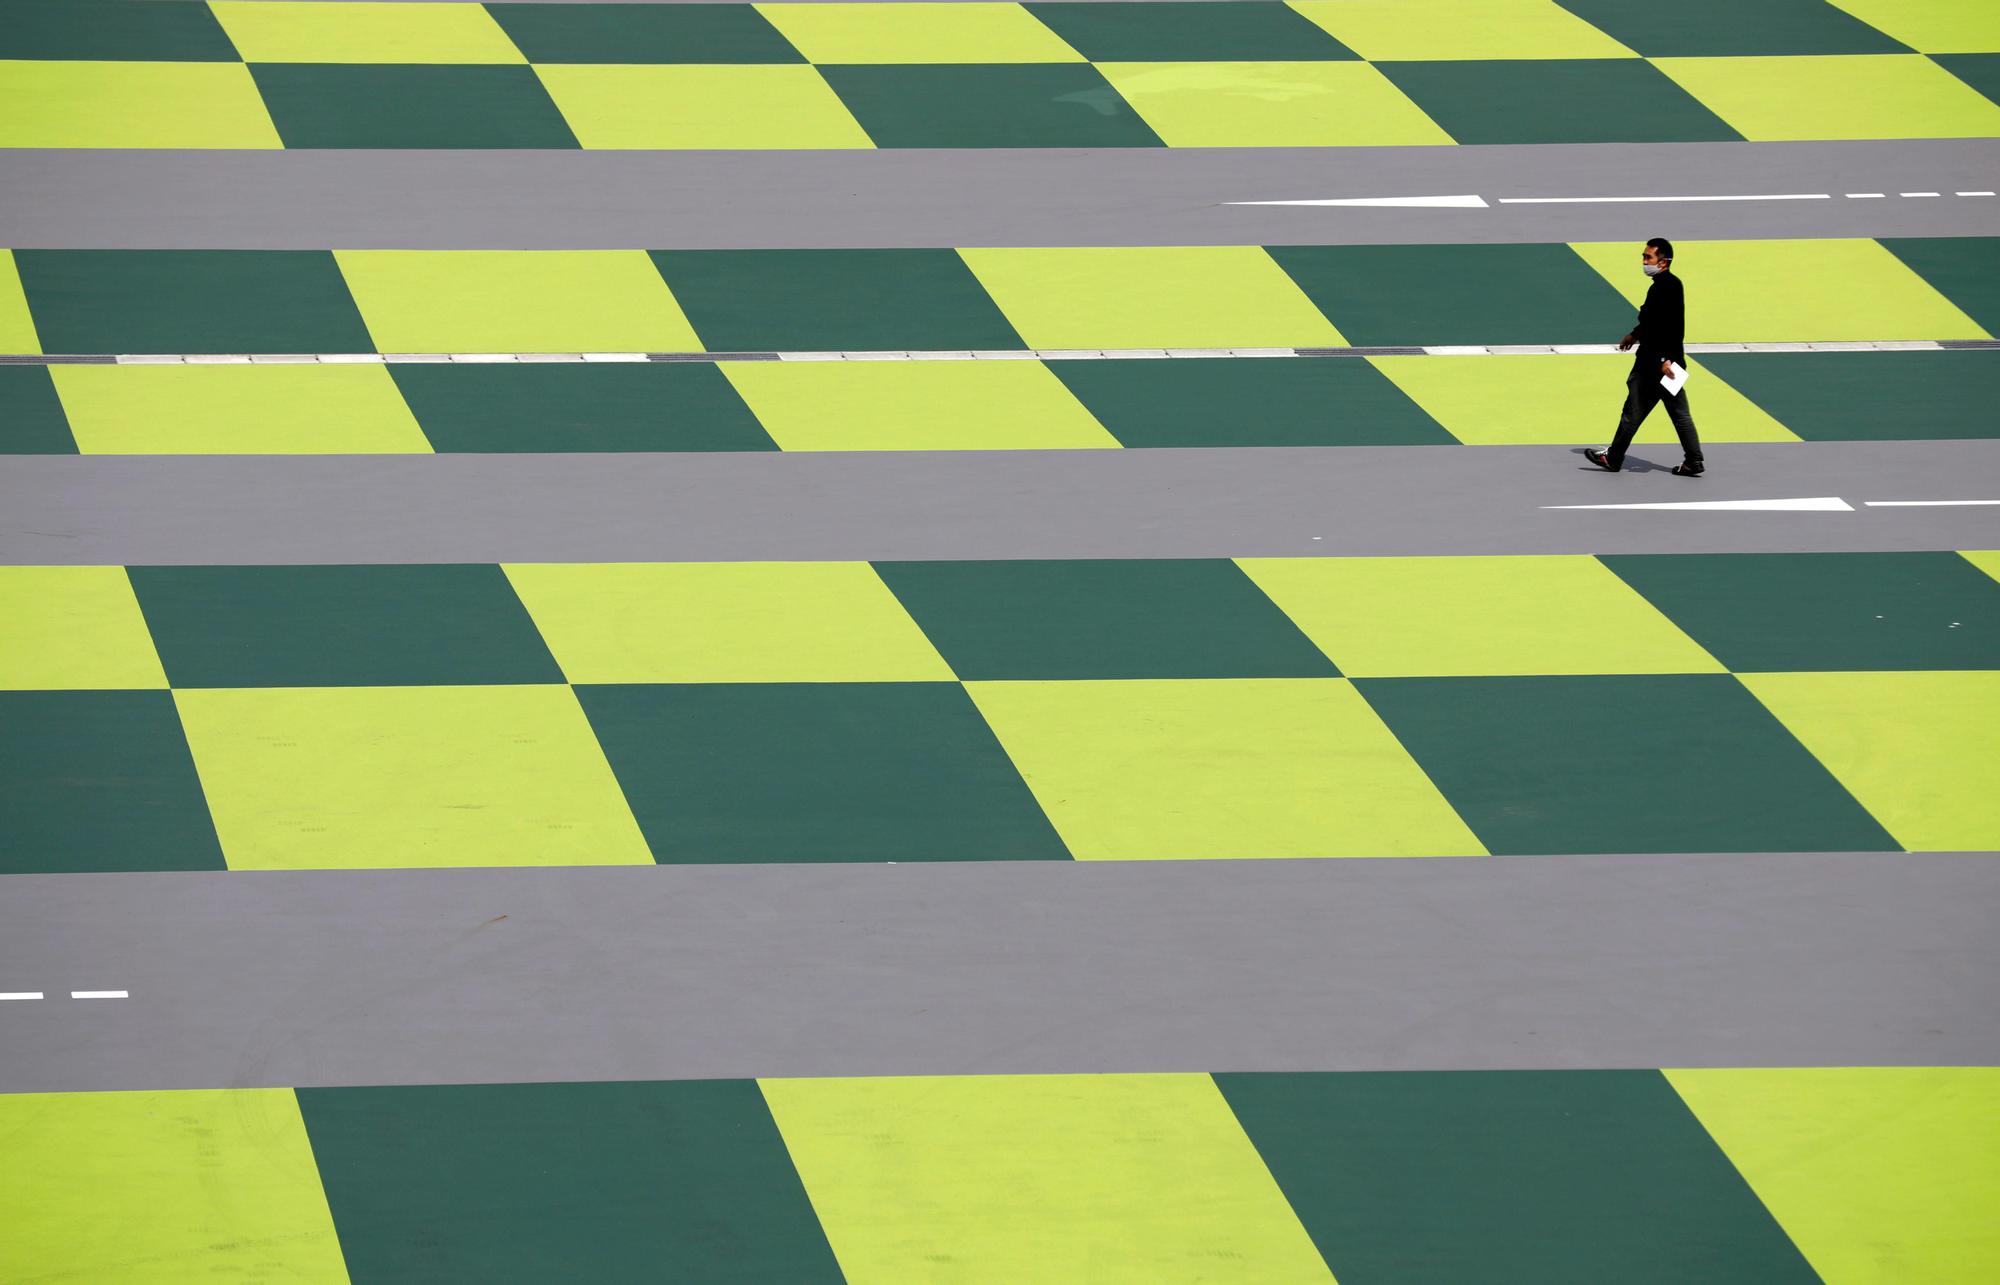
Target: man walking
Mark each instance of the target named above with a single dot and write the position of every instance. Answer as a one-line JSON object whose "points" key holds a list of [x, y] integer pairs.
{"points": [[1662, 323]]}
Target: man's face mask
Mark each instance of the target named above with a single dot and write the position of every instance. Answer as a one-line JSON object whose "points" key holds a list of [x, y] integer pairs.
{"points": [[1652, 269]]}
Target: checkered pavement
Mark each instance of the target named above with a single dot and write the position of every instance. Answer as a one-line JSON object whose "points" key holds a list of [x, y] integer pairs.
{"points": [[146, 301], [1717, 1175], [255, 74], [547, 714]]}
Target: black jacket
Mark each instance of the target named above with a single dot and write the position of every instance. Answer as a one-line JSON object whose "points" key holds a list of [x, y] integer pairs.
{"points": [[1661, 325]]}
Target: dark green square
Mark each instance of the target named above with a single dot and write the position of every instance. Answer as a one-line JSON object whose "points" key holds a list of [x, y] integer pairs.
{"points": [[651, 1181], [112, 31], [833, 300], [31, 415], [1102, 618], [360, 105], [982, 105], [1782, 612], [99, 781], [1456, 294], [1557, 100], [1858, 397], [340, 626], [643, 33], [1964, 269], [1621, 763], [201, 301], [579, 407], [1981, 71], [1190, 31], [775, 772], [1249, 401], [1731, 28], [1554, 1177]]}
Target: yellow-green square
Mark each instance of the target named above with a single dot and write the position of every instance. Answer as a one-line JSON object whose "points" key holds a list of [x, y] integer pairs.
{"points": [[973, 32], [915, 406], [1417, 617], [344, 31], [73, 629], [724, 622], [17, 325], [1756, 291], [1916, 747], [701, 107], [163, 1187], [1271, 104], [1881, 1175], [1223, 296], [1836, 96], [133, 104], [1563, 399], [1205, 768], [1417, 30], [1099, 1178], [1933, 26], [515, 301], [1987, 560], [237, 410], [316, 778]]}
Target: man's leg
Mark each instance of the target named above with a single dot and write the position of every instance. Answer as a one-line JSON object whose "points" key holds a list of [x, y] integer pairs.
{"points": [[1640, 394], [1677, 411]]}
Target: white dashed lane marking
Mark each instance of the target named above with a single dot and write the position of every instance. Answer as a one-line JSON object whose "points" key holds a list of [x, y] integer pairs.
{"points": [[1472, 201], [1008, 354]]}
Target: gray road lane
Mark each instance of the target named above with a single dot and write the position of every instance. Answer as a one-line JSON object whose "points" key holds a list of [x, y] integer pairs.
{"points": [[415, 977], [581, 200], [1024, 504]]}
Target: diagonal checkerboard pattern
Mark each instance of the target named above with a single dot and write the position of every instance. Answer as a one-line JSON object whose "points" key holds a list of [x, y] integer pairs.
{"points": [[550, 714], [1248, 73], [1722, 1174], [1786, 713], [1092, 299]]}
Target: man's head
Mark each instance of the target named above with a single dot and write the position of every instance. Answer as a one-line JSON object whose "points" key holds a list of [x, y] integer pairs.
{"points": [[1657, 256]]}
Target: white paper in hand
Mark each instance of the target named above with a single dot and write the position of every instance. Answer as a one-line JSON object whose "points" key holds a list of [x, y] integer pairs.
{"points": [[1676, 376]]}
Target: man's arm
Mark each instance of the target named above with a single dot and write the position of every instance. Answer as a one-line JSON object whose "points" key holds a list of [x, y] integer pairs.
{"points": [[1639, 325]]}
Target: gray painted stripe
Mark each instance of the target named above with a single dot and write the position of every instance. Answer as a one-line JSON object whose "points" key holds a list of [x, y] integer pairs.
{"points": [[313, 199], [1017, 354], [1156, 503], [415, 977]]}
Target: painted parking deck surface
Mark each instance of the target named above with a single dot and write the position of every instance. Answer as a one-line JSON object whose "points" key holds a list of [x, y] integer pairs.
{"points": [[799, 642]]}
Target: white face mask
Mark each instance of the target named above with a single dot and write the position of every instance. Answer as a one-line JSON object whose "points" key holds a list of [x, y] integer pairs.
{"points": [[1652, 269]]}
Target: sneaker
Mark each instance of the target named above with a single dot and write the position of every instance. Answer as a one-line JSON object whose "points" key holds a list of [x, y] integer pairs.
{"points": [[1689, 470], [1603, 461]]}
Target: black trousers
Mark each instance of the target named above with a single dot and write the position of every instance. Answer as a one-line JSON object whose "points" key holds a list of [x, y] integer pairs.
{"points": [[1642, 393]]}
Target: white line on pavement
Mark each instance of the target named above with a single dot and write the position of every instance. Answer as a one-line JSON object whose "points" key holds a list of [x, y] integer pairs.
{"points": [[100, 995], [1013, 354], [1815, 504], [1926, 504], [1469, 201], [6, 995], [1643, 200], [1465, 202]]}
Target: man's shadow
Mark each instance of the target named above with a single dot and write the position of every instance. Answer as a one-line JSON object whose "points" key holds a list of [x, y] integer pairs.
{"points": [[1632, 464]]}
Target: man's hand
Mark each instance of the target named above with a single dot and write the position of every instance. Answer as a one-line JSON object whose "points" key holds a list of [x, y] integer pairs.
{"points": [[1625, 343], [1667, 367]]}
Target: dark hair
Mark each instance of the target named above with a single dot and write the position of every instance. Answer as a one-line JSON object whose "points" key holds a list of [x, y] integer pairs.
{"points": [[1663, 247]]}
